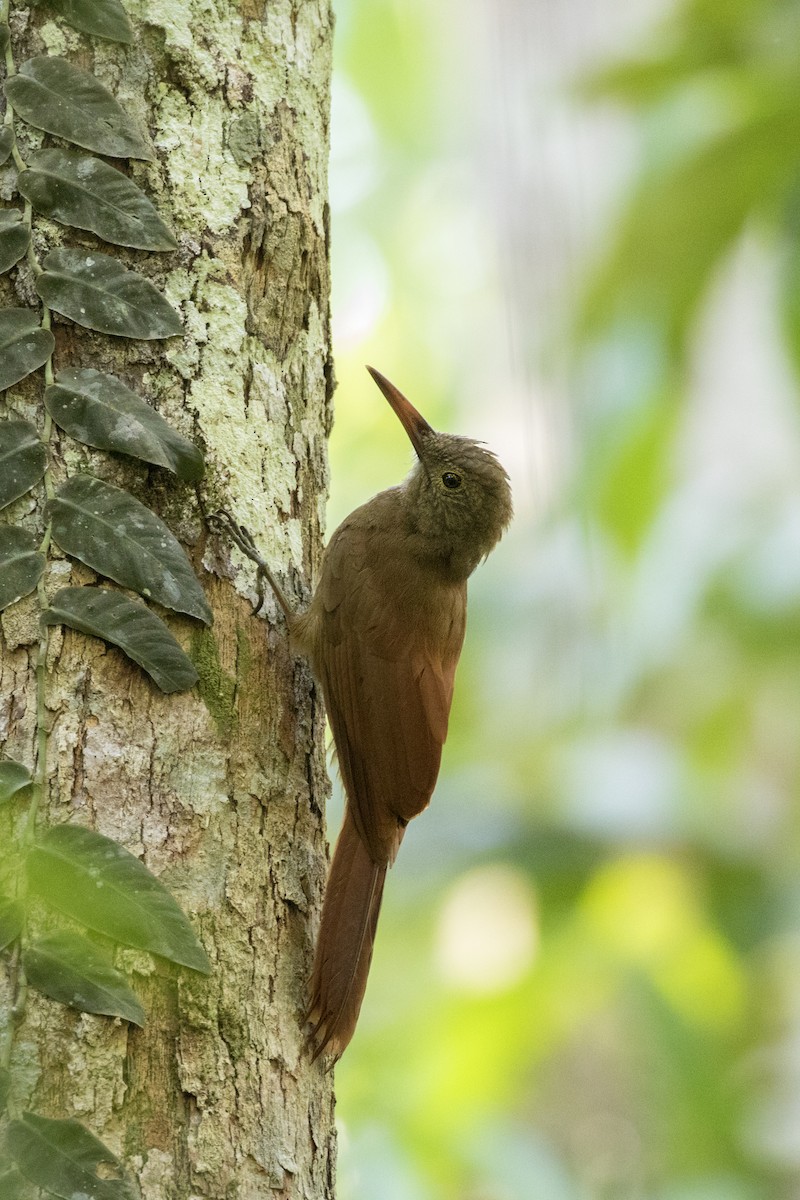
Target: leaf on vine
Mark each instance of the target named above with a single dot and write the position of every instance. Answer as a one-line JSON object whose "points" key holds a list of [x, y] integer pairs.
{"points": [[50, 94], [23, 458], [94, 290], [5, 1087], [12, 918], [5, 36], [14, 237], [24, 345], [69, 968], [13, 778], [13, 1186], [115, 535], [102, 885], [101, 18], [63, 1158], [135, 629], [21, 568], [99, 410], [86, 192], [6, 140]]}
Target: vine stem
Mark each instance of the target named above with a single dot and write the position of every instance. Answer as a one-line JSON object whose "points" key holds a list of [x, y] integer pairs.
{"points": [[40, 772]]}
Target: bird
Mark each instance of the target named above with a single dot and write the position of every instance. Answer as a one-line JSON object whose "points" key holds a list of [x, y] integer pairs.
{"points": [[383, 633]]}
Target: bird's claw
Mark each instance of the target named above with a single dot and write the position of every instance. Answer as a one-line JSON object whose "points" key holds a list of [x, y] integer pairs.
{"points": [[244, 540]]}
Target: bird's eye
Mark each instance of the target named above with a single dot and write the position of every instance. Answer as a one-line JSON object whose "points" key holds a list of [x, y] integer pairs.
{"points": [[451, 480]]}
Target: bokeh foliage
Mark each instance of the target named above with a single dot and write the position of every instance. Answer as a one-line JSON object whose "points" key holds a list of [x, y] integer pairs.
{"points": [[587, 978]]}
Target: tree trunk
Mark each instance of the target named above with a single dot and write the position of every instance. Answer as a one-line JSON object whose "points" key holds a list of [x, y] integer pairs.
{"points": [[219, 790]]}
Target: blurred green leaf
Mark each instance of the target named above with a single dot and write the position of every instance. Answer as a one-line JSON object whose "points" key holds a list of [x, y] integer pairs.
{"points": [[13, 1186], [102, 885], [640, 81], [635, 474], [682, 221], [65, 1159], [764, 631], [12, 918]]}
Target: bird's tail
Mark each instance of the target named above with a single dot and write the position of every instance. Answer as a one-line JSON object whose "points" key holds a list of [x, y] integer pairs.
{"points": [[344, 946]]}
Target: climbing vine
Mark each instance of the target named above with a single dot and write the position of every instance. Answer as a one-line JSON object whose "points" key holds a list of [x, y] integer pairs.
{"points": [[71, 870]]}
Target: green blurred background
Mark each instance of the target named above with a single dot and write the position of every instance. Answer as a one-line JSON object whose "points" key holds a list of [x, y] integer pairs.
{"points": [[570, 227]]}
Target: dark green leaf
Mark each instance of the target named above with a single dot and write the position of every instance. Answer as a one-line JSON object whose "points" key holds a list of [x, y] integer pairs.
{"points": [[5, 36], [14, 238], [135, 629], [23, 458], [117, 536], [63, 1158], [83, 191], [69, 968], [99, 410], [5, 1087], [99, 883], [21, 564], [6, 141], [12, 918], [94, 290], [682, 220], [13, 778], [50, 94], [101, 18], [24, 346]]}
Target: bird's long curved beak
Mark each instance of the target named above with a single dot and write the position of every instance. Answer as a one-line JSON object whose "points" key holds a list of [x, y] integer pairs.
{"points": [[415, 425]]}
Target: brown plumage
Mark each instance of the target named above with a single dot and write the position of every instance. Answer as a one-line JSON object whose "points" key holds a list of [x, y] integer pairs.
{"points": [[383, 634]]}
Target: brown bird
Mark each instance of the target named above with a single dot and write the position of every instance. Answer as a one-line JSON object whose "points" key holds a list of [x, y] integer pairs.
{"points": [[383, 634]]}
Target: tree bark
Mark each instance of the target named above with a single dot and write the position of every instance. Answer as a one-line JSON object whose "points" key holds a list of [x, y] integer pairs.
{"points": [[220, 790]]}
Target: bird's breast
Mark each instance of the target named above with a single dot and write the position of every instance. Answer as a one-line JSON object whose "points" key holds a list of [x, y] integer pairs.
{"points": [[374, 585]]}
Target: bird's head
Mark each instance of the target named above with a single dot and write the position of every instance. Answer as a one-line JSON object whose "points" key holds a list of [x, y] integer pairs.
{"points": [[458, 496]]}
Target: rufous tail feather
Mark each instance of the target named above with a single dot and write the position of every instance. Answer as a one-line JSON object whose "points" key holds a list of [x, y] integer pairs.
{"points": [[344, 946]]}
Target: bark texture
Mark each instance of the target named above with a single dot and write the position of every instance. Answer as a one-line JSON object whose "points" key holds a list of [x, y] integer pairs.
{"points": [[220, 791]]}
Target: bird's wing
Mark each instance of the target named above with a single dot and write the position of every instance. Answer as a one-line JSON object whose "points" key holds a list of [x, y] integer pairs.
{"points": [[387, 646]]}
